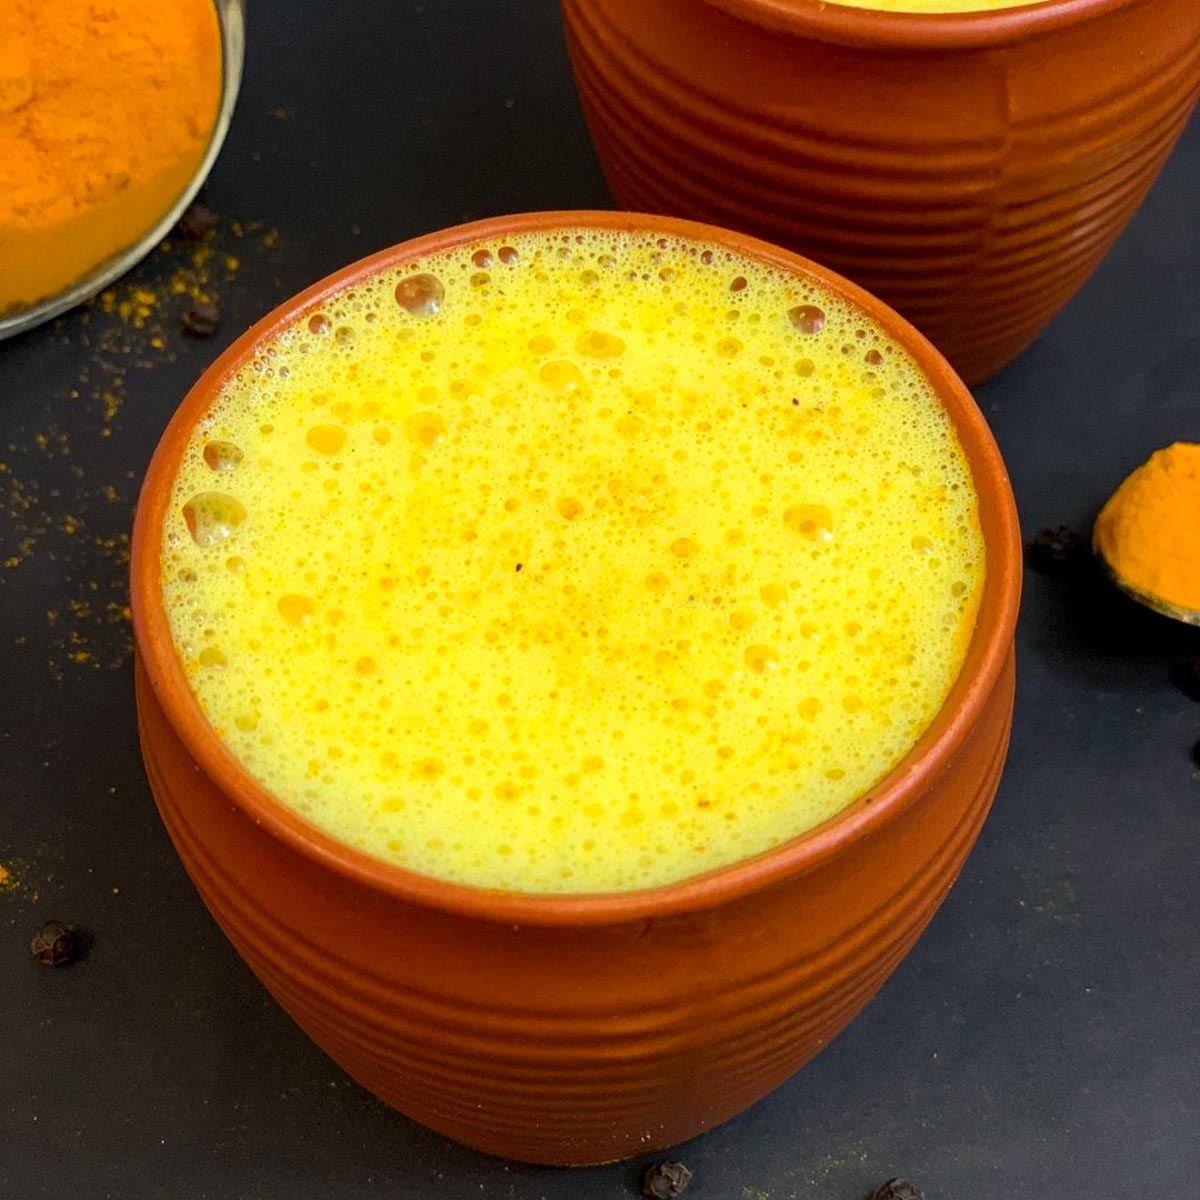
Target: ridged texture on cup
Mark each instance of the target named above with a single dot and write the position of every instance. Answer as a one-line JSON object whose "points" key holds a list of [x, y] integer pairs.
{"points": [[579, 1029], [574, 1045], [972, 180]]}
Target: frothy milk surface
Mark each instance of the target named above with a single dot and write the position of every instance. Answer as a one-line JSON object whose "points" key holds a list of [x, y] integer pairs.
{"points": [[582, 562]]}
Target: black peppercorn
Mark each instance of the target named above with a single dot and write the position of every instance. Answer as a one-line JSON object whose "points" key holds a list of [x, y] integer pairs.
{"points": [[1054, 551], [897, 1189], [201, 319], [197, 221], [55, 944], [665, 1180], [1186, 676]]}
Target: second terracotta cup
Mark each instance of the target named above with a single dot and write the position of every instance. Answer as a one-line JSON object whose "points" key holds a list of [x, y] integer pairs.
{"points": [[969, 169]]}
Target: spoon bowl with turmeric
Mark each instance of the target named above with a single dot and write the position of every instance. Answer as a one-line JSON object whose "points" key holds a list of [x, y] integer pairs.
{"points": [[1147, 536], [111, 116]]}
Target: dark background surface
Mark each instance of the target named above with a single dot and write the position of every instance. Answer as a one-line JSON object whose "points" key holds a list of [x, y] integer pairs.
{"points": [[1043, 1039]]}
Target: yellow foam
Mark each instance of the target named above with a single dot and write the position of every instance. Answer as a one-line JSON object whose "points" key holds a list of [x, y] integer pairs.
{"points": [[588, 562]]}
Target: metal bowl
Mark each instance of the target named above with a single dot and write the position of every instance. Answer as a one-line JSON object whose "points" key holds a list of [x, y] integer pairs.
{"points": [[231, 17]]}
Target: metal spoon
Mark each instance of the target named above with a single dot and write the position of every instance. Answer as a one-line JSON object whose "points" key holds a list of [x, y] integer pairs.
{"points": [[1189, 616]]}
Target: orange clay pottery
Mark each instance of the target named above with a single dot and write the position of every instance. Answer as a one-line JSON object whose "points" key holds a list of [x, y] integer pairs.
{"points": [[970, 169], [579, 1029]]}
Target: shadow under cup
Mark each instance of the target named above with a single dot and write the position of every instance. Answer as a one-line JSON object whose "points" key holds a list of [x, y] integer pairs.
{"points": [[579, 1029], [971, 170]]}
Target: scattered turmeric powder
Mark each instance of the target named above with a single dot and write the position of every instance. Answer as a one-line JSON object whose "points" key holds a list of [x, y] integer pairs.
{"points": [[1149, 531], [106, 111]]}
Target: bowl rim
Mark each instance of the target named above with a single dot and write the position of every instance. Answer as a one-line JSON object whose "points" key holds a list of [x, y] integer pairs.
{"points": [[231, 25], [987, 654], [827, 20]]}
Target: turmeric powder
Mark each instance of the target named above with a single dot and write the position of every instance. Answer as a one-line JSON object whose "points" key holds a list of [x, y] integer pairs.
{"points": [[1149, 531], [106, 111]]}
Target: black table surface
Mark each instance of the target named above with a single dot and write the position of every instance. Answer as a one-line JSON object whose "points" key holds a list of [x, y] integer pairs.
{"points": [[1041, 1039]]}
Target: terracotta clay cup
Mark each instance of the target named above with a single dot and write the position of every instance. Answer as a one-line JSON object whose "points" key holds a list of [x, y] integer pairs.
{"points": [[578, 1029], [971, 169]]}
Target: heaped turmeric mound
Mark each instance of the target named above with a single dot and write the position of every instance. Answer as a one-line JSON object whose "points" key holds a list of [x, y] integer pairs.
{"points": [[1149, 531], [106, 111]]}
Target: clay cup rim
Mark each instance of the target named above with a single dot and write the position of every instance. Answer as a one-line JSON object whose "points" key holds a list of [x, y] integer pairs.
{"points": [[988, 651], [824, 20]]}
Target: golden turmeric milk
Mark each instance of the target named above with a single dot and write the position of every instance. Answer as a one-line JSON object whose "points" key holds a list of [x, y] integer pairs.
{"points": [[584, 562]]}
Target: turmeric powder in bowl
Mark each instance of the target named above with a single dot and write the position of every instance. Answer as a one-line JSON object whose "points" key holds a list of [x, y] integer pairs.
{"points": [[107, 110]]}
